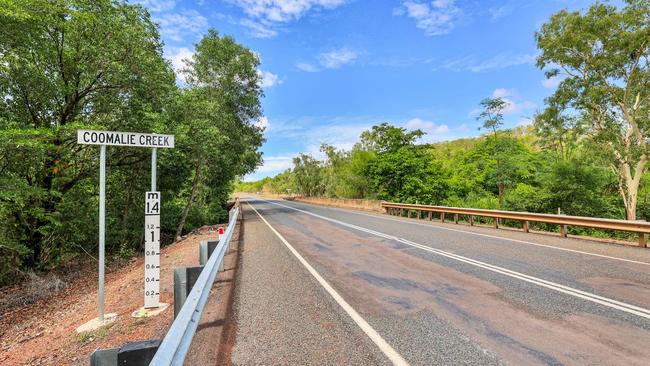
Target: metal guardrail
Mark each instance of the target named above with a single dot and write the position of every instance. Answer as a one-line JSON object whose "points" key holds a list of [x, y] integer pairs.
{"points": [[176, 344], [642, 228]]}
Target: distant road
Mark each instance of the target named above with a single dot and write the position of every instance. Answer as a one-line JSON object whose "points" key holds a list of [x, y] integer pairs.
{"points": [[408, 292]]}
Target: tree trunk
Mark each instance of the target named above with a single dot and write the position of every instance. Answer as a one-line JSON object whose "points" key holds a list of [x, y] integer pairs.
{"points": [[630, 207], [501, 189], [186, 210], [629, 185]]}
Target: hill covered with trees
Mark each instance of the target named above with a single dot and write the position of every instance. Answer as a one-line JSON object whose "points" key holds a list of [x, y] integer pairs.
{"points": [[585, 154]]}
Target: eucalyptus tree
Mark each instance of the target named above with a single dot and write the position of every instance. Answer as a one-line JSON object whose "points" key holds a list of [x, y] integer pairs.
{"points": [[602, 54], [559, 131]]}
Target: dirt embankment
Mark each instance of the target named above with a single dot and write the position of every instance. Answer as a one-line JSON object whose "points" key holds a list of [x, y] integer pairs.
{"points": [[357, 204], [43, 333]]}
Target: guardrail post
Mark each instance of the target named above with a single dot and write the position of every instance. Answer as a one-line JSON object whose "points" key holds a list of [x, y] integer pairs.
{"points": [[496, 222], [563, 231], [524, 225], [455, 218], [184, 280], [642, 240], [429, 215], [442, 217], [471, 220], [132, 353], [206, 247]]}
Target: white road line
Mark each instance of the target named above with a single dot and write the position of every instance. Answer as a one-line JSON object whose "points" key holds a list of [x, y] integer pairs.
{"points": [[628, 308], [386, 348], [406, 221]]}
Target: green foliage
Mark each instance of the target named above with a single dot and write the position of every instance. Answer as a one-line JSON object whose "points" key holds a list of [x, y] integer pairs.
{"points": [[492, 114], [388, 165], [602, 54], [71, 64]]}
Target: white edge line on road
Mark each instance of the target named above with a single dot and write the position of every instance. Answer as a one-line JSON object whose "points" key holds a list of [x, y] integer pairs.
{"points": [[406, 221], [386, 348], [628, 308]]}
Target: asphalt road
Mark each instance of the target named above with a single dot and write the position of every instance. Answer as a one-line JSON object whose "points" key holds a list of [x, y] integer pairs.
{"points": [[406, 291]]}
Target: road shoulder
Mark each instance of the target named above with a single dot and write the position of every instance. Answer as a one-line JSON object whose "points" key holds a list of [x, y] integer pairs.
{"points": [[283, 316]]}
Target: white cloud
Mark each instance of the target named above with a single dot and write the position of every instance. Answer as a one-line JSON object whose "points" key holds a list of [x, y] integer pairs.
{"points": [[333, 59], [307, 67], [552, 83], [276, 164], [435, 18], [339, 135], [263, 122], [341, 132], [283, 10], [265, 15], [502, 93], [177, 25], [177, 56], [509, 96], [525, 122], [155, 6], [269, 79], [337, 58], [258, 29], [500, 12], [429, 127], [500, 61]]}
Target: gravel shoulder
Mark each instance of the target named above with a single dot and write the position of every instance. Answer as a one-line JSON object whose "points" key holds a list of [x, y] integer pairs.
{"points": [[283, 316]]}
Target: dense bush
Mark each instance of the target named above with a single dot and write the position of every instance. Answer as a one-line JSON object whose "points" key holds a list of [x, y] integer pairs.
{"points": [[82, 64]]}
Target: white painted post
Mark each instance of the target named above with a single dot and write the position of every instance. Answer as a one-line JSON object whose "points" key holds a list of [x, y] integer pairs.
{"points": [[154, 155], [102, 226], [152, 250]]}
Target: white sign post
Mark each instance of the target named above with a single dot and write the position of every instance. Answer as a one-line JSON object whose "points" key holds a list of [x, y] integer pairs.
{"points": [[104, 138]]}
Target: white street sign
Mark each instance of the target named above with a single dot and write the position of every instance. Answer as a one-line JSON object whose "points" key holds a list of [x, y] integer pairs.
{"points": [[87, 137], [152, 213], [152, 250]]}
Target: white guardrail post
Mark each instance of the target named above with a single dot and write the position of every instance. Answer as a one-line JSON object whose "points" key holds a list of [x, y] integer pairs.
{"points": [[176, 344]]}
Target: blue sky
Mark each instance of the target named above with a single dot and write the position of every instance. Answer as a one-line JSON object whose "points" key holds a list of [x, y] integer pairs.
{"points": [[333, 68]]}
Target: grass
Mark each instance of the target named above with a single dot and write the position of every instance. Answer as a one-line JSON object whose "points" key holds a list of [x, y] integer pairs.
{"points": [[94, 335]]}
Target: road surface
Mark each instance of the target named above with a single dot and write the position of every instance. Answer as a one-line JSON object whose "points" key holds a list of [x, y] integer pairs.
{"points": [[329, 286]]}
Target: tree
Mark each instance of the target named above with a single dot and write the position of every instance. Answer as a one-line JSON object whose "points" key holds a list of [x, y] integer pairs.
{"points": [[308, 175], [385, 137], [66, 64], [603, 53], [217, 113], [401, 170], [492, 114], [492, 118], [559, 131]]}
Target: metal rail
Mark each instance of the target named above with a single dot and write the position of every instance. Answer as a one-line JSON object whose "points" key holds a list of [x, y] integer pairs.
{"points": [[642, 228], [176, 344]]}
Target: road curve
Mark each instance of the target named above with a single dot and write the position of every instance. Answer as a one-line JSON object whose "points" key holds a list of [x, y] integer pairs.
{"points": [[437, 296]]}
